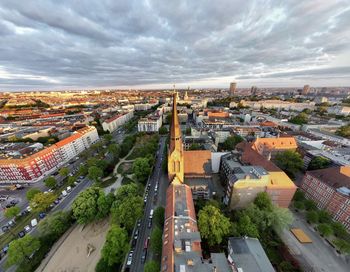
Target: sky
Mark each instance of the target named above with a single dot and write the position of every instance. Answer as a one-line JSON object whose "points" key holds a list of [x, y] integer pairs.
{"points": [[72, 44]]}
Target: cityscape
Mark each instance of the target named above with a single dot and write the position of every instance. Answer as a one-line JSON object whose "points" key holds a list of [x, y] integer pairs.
{"points": [[180, 137]]}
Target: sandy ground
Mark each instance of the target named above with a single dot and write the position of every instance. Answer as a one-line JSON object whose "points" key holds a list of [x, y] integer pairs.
{"points": [[71, 256]]}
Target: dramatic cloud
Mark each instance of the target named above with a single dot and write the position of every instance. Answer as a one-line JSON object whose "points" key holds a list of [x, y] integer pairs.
{"points": [[151, 43]]}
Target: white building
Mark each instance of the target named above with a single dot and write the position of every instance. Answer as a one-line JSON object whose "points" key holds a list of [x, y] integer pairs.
{"points": [[278, 105], [151, 123], [116, 121], [339, 110]]}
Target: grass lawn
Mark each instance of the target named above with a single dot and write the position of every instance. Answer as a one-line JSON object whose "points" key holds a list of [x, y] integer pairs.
{"points": [[145, 144]]}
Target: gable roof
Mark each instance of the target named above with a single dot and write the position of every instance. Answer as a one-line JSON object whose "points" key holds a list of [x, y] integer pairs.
{"points": [[197, 162], [334, 176]]}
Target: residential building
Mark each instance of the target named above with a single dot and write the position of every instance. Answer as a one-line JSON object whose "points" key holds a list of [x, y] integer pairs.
{"points": [[278, 105], [330, 189], [269, 147], [111, 124], [247, 255], [339, 110], [233, 86], [40, 164], [150, 123]]}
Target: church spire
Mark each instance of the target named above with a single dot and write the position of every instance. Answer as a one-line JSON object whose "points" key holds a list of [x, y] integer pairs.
{"points": [[175, 131]]}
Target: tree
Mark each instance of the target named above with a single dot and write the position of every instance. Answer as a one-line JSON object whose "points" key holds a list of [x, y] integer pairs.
{"points": [[281, 218], [163, 130], [156, 241], [299, 205], [213, 225], [299, 119], [114, 149], [83, 170], [22, 249], [95, 173], [246, 227], [289, 161], [127, 212], [151, 266], [55, 224], [41, 202], [107, 138], [141, 169], [339, 229], [344, 131], [231, 142], [50, 182], [310, 205], [92, 162], [104, 203], [158, 216], [64, 171], [325, 229], [125, 192], [31, 193], [71, 180], [299, 196], [12, 212], [312, 217], [342, 245], [263, 201], [319, 163], [116, 245], [324, 217]]}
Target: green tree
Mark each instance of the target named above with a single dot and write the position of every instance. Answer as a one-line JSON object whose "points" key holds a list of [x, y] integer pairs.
{"points": [[71, 180], [324, 217], [114, 149], [312, 217], [158, 216], [83, 170], [92, 162], [41, 202], [299, 196], [85, 206], [141, 169], [55, 224], [163, 130], [289, 161], [246, 227], [64, 171], [231, 142], [281, 218], [325, 229], [116, 245], [310, 205], [125, 192], [31, 193], [22, 249], [213, 225], [12, 212], [107, 138], [95, 173], [319, 163], [127, 212], [152, 266], [104, 203], [50, 182], [339, 229], [156, 241], [299, 119], [344, 131], [263, 201], [299, 205], [342, 245]]}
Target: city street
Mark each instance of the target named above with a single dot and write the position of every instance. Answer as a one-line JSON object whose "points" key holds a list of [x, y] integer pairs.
{"points": [[144, 230]]}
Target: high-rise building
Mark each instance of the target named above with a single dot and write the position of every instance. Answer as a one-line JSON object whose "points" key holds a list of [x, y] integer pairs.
{"points": [[253, 90], [233, 86], [306, 90]]}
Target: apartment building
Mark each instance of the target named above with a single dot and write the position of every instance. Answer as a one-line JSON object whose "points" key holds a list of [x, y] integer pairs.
{"points": [[151, 123], [40, 164], [116, 121], [330, 189]]}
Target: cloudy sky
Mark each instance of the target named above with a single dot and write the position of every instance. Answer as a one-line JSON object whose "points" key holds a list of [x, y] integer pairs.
{"points": [[154, 43]]}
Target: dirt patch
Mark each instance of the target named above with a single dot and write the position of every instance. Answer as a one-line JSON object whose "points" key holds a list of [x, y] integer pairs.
{"points": [[72, 256]]}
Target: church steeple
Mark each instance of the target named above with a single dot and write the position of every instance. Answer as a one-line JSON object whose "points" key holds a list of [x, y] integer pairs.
{"points": [[175, 152]]}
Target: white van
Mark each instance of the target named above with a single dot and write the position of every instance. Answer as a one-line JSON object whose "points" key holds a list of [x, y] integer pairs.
{"points": [[151, 214], [69, 189], [64, 193], [34, 222]]}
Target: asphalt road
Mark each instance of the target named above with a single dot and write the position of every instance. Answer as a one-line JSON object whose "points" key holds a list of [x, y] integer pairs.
{"points": [[144, 231]]}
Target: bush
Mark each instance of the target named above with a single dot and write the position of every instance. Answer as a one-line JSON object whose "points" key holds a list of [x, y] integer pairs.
{"points": [[310, 205], [324, 217], [299, 196], [339, 230], [312, 217], [325, 229], [102, 266], [299, 205]]}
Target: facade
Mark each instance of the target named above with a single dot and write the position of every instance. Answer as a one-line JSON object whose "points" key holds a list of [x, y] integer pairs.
{"points": [[48, 160], [233, 86], [269, 147], [330, 189], [279, 105], [116, 121], [181, 238], [151, 123]]}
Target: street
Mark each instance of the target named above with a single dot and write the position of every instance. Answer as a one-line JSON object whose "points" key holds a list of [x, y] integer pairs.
{"points": [[144, 230]]}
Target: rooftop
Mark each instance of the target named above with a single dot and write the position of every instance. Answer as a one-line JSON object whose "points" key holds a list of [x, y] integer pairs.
{"points": [[335, 177], [197, 162]]}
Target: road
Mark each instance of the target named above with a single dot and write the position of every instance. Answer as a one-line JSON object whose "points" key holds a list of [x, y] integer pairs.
{"points": [[144, 231]]}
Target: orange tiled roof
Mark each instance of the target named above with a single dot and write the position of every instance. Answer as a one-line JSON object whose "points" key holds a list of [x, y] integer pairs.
{"points": [[197, 162], [115, 117], [280, 143], [268, 124]]}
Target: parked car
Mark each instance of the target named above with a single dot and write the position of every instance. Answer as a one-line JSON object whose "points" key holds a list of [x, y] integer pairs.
{"points": [[29, 209], [11, 223], [149, 224], [42, 215], [56, 201], [64, 193], [5, 228], [136, 235], [21, 234], [69, 189], [27, 228], [143, 256], [129, 261], [138, 223], [34, 222], [5, 249]]}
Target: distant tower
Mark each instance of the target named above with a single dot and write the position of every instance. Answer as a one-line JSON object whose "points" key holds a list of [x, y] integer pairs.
{"points": [[254, 90], [175, 150], [233, 86], [306, 90], [186, 94]]}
